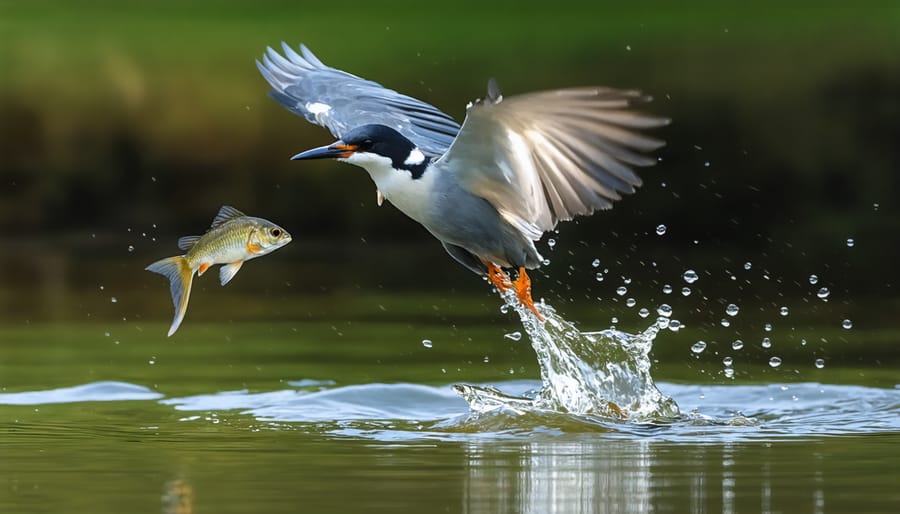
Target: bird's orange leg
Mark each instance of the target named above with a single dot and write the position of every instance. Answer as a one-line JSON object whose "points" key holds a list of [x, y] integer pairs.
{"points": [[497, 276], [523, 292]]}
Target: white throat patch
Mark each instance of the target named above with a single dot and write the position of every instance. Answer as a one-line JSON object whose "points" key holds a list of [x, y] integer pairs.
{"points": [[416, 157]]}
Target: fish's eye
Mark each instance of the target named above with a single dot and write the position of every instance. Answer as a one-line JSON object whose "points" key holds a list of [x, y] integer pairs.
{"points": [[276, 232]]}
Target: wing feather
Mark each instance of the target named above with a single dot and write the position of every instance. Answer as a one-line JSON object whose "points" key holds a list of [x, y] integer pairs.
{"points": [[541, 158], [340, 101]]}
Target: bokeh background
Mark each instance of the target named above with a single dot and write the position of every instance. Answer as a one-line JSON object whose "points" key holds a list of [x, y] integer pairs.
{"points": [[124, 125]]}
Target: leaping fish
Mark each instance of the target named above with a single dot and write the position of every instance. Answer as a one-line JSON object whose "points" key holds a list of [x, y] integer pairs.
{"points": [[232, 239]]}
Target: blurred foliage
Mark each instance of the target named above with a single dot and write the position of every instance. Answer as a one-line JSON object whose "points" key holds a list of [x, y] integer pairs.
{"points": [[129, 123]]}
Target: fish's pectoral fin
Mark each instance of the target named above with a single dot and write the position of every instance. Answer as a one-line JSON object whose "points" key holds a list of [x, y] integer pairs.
{"points": [[180, 276], [254, 248], [228, 271], [202, 268], [225, 214], [187, 242]]}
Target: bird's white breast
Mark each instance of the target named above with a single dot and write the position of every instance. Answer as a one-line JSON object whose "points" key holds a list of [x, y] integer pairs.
{"points": [[411, 196]]}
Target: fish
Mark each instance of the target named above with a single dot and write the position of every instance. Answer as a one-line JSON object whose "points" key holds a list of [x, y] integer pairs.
{"points": [[232, 239]]}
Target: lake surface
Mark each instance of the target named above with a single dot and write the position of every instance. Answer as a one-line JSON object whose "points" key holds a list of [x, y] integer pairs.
{"points": [[293, 418]]}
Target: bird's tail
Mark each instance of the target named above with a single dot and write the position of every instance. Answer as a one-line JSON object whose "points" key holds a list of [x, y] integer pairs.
{"points": [[180, 276]]}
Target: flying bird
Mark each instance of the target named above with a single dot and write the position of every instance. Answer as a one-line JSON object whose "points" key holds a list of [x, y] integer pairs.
{"points": [[489, 189]]}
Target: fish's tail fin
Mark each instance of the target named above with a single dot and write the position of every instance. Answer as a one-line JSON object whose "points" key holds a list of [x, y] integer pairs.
{"points": [[180, 276]]}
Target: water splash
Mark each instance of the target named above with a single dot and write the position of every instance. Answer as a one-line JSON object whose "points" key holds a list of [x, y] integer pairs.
{"points": [[604, 373]]}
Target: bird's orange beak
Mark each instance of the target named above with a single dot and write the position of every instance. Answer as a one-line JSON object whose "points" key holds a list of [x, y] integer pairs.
{"points": [[336, 150]]}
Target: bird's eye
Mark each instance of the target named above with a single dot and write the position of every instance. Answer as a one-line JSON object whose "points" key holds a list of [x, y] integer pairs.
{"points": [[276, 232], [367, 143]]}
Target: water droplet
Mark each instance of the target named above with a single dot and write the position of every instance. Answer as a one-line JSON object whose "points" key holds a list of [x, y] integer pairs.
{"points": [[813, 279], [747, 265], [820, 363], [130, 248], [643, 312], [775, 362], [664, 310], [823, 293], [106, 334], [545, 262], [685, 291], [783, 311], [631, 302], [626, 280], [767, 327], [596, 263], [114, 299], [698, 347], [667, 289], [674, 325], [729, 372], [850, 243], [660, 230], [621, 290], [486, 359], [690, 276], [847, 324], [766, 342], [732, 310], [725, 322], [152, 360], [875, 206], [551, 243], [728, 361], [514, 336], [737, 344], [427, 343], [599, 277], [662, 322], [614, 320]]}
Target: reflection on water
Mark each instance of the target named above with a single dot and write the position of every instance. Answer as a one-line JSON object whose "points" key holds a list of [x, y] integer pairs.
{"points": [[603, 476]]}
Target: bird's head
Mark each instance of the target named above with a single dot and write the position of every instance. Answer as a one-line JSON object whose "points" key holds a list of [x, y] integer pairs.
{"points": [[373, 147]]}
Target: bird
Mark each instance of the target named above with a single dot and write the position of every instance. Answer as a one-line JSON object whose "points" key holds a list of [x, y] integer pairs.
{"points": [[487, 189]]}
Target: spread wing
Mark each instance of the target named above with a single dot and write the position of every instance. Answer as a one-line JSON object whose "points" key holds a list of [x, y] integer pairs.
{"points": [[341, 102], [546, 157]]}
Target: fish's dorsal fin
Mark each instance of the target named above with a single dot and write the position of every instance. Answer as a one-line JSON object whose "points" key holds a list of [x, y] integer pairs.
{"points": [[187, 242], [226, 213]]}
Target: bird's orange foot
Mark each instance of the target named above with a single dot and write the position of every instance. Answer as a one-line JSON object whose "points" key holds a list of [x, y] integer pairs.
{"points": [[498, 277], [523, 292]]}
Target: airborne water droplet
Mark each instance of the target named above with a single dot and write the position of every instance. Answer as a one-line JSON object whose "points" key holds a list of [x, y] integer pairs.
{"points": [[813, 279], [729, 372], [850, 243], [631, 302], [114, 299], [427, 343], [728, 361], [130, 248], [737, 344], [732, 309], [784, 311], [690, 276], [823, 293], [767, 327], [698, 347], [775, 362], [667, 289], [660, 230], [820, 363], [664, 310], [725, 322], [514, 336], [747, 265], [621, 290], [551, 243], [596, 263], [766, 342], [599, 277], [685, 291], [847, 324], [643, 312]]}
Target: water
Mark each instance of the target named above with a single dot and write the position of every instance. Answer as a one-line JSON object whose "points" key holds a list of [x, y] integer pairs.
{"points": [[345, 427]]}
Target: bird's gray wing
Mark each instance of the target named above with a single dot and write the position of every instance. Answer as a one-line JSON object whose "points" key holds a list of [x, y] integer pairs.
{"points": [[341, 102], [545, 157]]}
